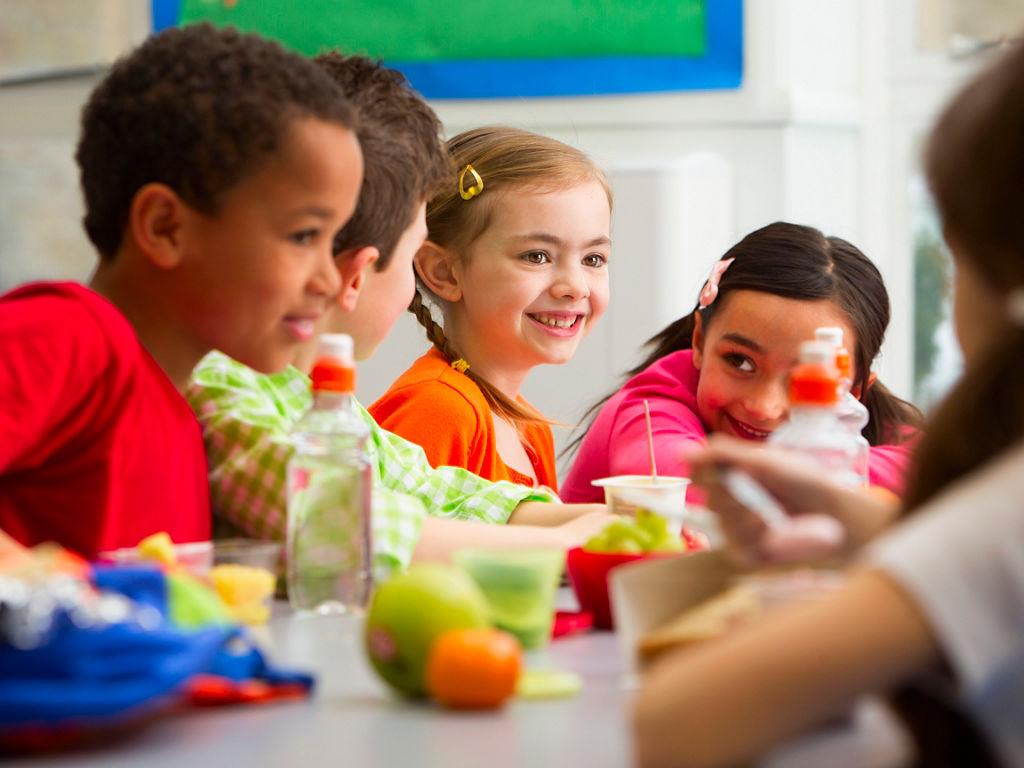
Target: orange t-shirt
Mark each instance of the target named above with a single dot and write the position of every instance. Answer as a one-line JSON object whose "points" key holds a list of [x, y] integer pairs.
{"points": [[444, 411]]}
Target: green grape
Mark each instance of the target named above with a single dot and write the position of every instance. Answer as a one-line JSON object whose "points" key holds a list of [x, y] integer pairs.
{"points": [[669, 543], [655, 525], [618, 531], [647, 532], [630, 547]]}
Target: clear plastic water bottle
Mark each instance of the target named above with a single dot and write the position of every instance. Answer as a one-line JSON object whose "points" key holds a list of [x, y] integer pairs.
{"points": [[813, 427], [329, 556], [852, 412]]}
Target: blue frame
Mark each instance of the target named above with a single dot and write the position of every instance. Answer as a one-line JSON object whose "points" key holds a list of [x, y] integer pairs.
{"points": [[721, 66]]}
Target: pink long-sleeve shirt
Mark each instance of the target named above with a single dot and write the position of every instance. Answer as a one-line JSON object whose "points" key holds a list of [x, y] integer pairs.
{"points": [[616, 443]]}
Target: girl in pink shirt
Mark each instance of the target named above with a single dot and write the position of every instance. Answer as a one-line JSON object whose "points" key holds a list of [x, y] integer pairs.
{"points": [[724, 366]]}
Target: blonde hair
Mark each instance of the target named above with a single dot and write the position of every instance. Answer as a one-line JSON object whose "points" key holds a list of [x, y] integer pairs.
{"points": [[505, 158]]}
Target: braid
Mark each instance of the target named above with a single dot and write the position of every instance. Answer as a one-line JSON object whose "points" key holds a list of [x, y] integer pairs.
{"points": [[508, 409], [435, 335]]}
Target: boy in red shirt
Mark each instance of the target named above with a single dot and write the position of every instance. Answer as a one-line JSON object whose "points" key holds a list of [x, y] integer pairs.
{"points": [[217, 169]]}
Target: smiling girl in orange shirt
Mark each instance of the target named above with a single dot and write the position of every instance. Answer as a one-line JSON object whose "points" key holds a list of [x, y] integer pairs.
{"points": [[516, 263]]}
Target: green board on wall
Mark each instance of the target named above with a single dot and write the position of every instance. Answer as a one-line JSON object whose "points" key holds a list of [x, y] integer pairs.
{"points": [[430, 30]]}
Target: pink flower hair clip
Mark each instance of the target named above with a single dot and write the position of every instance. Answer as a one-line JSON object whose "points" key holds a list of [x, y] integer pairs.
{"points": [[709, 292]]}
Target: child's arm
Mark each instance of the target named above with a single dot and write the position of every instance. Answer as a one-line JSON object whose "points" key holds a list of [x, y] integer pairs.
{"points": [[246, 419], [12, 554], [946, 583], [729, 700], [441, 537], [538, 513], [454, 492]]}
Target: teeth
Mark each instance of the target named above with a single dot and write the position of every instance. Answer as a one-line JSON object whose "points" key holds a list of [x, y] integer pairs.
{"points": [[754, 432], [556, 322]]}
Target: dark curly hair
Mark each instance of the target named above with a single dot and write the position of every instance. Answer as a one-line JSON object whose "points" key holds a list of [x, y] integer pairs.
{"points": [[404, 158], [198, 109]]}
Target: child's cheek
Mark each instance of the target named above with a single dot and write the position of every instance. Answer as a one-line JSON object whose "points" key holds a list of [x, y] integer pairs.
{"points": [[711, 399]]}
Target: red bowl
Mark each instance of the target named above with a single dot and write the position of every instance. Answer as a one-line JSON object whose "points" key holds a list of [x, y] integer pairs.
{"points": [[588, 572]]}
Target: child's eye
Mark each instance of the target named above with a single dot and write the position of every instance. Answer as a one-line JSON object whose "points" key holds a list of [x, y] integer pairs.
{"points": [[304, 237], [595, 260], [536, 257], [739, 362]]}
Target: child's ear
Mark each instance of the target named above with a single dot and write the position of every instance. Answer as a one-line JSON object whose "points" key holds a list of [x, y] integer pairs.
{"points": [[352, 265], [155, 222], [435, 267], [858, 392], [697, 341]]}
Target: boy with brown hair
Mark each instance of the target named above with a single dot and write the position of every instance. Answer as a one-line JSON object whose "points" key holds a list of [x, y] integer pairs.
{"points": [[417, 510], [216, 168]]}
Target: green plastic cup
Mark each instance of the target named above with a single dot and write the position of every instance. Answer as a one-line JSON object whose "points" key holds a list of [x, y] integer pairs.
{"points": [[520, 587]]}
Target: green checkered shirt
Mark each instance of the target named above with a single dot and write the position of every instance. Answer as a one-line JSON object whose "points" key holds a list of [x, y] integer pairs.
{"points": [[247, 418]]}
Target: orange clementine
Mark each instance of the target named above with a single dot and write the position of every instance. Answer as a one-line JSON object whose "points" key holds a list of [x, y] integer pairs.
{"points": [[473, 668]]}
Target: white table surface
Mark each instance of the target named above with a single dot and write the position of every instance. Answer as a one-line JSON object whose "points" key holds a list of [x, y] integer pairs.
{"points": [[352, 720]]}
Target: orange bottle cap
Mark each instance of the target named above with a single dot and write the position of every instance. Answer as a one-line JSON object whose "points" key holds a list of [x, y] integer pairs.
{"points": [[813, 384], [330, 374]]}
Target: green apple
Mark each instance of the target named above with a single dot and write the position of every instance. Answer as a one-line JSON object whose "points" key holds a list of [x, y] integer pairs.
{"points": [[410, 610]]}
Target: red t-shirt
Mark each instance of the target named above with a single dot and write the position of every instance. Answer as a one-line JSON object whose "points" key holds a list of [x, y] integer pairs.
{"points": [[98, 449]]}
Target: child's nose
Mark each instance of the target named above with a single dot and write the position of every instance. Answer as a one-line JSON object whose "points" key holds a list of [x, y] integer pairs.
{"points": [[570, 283], [326, 280], [768, 401]]}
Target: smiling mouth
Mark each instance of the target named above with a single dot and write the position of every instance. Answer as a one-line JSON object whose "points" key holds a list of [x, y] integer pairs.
{"points": [[302, 328], [562, 322], [746, 431]]}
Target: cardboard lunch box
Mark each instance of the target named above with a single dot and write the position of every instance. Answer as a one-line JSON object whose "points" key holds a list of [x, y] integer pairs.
{"points": [[648, 594], [653, 600]]}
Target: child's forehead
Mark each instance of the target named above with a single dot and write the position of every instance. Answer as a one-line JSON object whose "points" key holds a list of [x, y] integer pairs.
{"points": [[310, 146], [773, 322], [560, 208]]}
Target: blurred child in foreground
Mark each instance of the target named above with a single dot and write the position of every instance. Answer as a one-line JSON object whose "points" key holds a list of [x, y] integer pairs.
{"points": [[939, 600]]}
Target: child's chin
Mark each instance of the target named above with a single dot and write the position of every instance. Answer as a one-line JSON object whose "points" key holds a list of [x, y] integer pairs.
{"points": [[266, 363]]}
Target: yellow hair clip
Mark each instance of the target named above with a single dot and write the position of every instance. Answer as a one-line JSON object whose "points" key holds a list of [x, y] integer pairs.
{"points": [[468, 193], [460, 365]]}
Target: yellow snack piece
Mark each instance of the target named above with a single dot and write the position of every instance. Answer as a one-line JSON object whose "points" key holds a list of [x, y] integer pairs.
{"points": [[158, 547], [250, 613], [237, 584], [244, 589]]}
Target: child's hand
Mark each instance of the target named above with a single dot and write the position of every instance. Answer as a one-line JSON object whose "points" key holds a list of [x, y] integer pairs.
{"points": [[12, 554], [827, 520], [580, 530]]}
